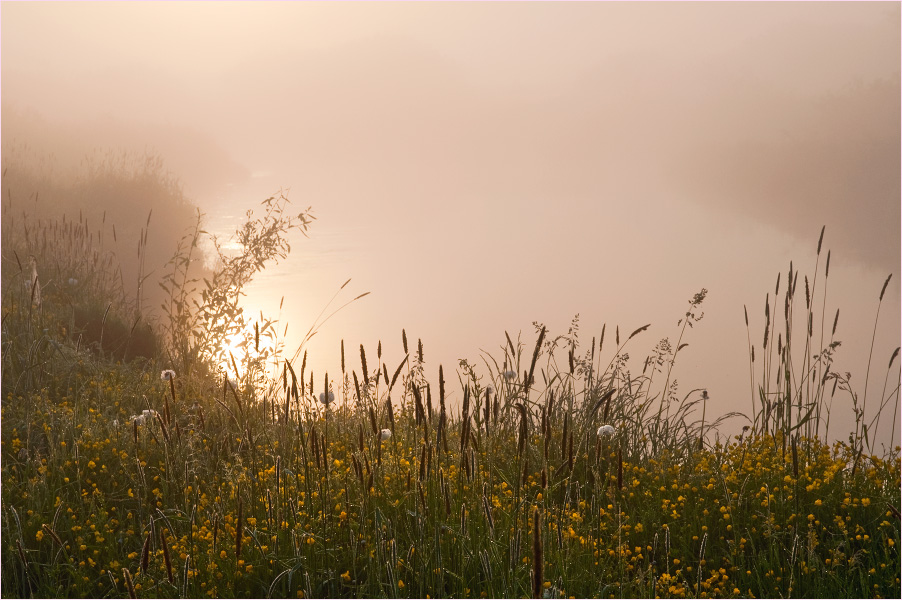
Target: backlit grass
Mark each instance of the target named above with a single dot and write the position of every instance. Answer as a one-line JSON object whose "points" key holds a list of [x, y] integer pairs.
{"points": [[119, 481]]}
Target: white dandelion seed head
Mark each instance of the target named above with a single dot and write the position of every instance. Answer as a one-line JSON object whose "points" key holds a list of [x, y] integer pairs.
{"points": [[167, 375], [490, 390], [139, 419], [324, 400], [115, 423], [385, 434], [606, 431], [510, 375], [73, 281]]}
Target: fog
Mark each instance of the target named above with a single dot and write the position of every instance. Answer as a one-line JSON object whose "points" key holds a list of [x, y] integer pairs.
{"points": [[478, 167]]}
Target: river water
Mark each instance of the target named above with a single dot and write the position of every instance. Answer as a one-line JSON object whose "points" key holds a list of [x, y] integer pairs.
{"points": [[459, 274]]}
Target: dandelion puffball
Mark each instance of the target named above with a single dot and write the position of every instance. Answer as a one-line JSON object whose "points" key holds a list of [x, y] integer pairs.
{"points": [[322, 397], [510, 375], [385, 434], [606, 431], [167, 375]]}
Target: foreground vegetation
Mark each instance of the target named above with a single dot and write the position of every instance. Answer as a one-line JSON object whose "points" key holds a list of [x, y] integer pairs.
{"points": [[151, 474]]}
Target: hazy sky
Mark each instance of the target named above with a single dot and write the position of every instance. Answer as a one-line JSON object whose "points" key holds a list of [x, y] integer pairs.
{"points": [[478, 167]]}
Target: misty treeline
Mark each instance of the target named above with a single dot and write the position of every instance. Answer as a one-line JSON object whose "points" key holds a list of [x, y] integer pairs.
{"points": [[114, 236]]}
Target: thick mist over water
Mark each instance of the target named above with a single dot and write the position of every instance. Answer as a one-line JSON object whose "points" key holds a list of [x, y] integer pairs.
{"points": [[481, 167]]}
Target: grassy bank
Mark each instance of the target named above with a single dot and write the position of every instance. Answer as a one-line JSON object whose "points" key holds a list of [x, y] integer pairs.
{"points": [[121, 477]]}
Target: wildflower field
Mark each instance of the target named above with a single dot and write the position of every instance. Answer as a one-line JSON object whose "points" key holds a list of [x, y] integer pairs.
{"points": [[562, 469]]}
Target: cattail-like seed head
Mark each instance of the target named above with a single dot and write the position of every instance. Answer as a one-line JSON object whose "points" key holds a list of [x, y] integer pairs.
{"points": [[885, 283], [373, 425], [53, 534], [441, 388], [394, 377], [366, 373], [129, 585], [326, 396], [357, 468], [418, 404], [391, 414], [145, 554], [166, 561], [357, 386], [404, 340], [524, 429], [638, 331], [422, 496], [535, 358]]}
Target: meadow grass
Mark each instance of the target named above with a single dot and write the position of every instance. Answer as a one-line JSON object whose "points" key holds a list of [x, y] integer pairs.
{"points": [[119, 479]]}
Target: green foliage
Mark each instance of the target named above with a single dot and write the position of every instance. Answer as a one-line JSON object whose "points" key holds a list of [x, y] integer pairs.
{"points": [[205, 489], [204, 315]]}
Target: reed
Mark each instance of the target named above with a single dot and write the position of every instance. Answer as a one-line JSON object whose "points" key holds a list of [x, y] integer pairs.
{"points": [[167, 562], [318, 507]]}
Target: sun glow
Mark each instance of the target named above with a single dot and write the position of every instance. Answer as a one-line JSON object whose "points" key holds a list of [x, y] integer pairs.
{"points": [[249, 351], [235, 355]]}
